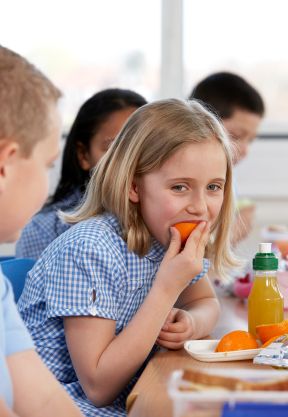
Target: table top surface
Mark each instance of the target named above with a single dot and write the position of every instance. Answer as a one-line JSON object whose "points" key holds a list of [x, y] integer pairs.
{"points": [[149, 397]]}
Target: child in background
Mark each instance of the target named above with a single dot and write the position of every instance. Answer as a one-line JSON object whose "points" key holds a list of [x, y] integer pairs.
{"points": [[241, 109], [29, 143], [96, 125], [105, 291]]}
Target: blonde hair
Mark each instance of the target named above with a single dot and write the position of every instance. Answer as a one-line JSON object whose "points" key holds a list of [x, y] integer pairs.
{"points": [[26, 96], [151, 136]]}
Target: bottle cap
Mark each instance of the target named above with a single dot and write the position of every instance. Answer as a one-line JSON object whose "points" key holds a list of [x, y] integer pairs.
{"points": [[265, 247], [265, 260]]}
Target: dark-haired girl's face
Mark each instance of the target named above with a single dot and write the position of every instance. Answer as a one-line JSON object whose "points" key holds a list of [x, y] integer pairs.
{"points": [[103, 138]]}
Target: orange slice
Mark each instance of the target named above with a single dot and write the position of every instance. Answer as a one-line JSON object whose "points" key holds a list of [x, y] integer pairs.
{"points": [[185, 229], [237, 340], [269, 341], [267, 331]]}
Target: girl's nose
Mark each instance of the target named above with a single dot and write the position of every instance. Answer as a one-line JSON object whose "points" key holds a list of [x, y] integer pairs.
{"points": [[198, 205]]}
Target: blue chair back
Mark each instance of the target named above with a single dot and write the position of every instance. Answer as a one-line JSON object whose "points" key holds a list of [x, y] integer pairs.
{"points": [[6, 258], [16, 270]]}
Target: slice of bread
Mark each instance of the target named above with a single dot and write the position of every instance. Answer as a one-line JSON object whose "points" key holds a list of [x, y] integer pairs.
{"points": [[202, 381]]}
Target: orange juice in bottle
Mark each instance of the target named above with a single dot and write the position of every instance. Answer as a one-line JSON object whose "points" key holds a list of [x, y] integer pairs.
{"points": [[265, 302]]}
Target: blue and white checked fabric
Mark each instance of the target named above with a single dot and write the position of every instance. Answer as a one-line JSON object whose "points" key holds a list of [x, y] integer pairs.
{"points": [[44, 227], [87, 271]]}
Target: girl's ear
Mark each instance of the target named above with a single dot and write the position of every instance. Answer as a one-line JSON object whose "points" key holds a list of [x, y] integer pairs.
{"points": [[8, 149], [133, 193], [83, 157]]}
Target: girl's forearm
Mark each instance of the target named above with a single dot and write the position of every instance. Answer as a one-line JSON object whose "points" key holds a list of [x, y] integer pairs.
{"points": [[127, 352]]}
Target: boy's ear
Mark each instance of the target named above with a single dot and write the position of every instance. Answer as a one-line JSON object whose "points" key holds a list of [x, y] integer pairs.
{"points": [[134, 193], [8, 149], [83, 156]]}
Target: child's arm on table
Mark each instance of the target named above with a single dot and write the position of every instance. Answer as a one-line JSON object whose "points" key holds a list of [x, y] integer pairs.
{"points": [[104, 363], [194, 316], [35, 390]]}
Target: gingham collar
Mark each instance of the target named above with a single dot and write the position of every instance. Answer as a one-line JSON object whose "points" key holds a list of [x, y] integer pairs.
{"points": [[156, 251]]}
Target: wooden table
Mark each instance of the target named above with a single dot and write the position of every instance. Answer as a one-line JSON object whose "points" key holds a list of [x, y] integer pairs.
{"points": [[149, 397]]}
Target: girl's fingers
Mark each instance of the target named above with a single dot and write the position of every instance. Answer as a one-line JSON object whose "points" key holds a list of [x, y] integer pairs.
{"points": [[171, 316], [174, 245], [198, 238], [204, 238], [168, 321], [172, 337], [177, 327], [170, 345]]}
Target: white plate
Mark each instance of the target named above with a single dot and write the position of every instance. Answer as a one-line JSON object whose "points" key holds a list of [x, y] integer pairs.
{"points": [[204, 351]]}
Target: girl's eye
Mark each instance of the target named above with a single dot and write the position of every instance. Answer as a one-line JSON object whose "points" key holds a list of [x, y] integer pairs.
{"points": [[179, 187], [214, 187]]}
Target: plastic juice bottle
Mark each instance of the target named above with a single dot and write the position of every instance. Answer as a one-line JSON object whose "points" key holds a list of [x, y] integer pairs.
{"points": [[265, 302]]}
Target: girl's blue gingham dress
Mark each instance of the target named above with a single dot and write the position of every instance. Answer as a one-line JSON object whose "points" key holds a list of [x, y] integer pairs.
{"points": [[89, 259], [44, 227]]}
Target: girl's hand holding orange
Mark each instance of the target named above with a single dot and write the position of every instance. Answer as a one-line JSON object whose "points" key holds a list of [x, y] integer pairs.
{"points": [[179, 267]]}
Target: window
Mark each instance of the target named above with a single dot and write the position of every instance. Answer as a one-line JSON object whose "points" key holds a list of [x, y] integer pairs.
{"points": [[88, 45], [247, 37], [85, 46]]}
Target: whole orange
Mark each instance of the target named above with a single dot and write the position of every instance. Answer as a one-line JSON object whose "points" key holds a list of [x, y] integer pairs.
{"points": [[236, 340], [267, 331], [185, 229]]}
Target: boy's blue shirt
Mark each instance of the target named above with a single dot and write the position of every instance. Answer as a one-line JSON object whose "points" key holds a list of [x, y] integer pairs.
{"points": [[14, 336]]}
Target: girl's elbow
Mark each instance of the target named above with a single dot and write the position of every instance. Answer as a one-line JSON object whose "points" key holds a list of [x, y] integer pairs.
{"points": [[98, 402], [99, 396]]}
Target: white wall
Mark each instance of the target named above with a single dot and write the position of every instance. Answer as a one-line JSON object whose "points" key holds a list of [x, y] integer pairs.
{"points": [[264, 174], [263, 177]]}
